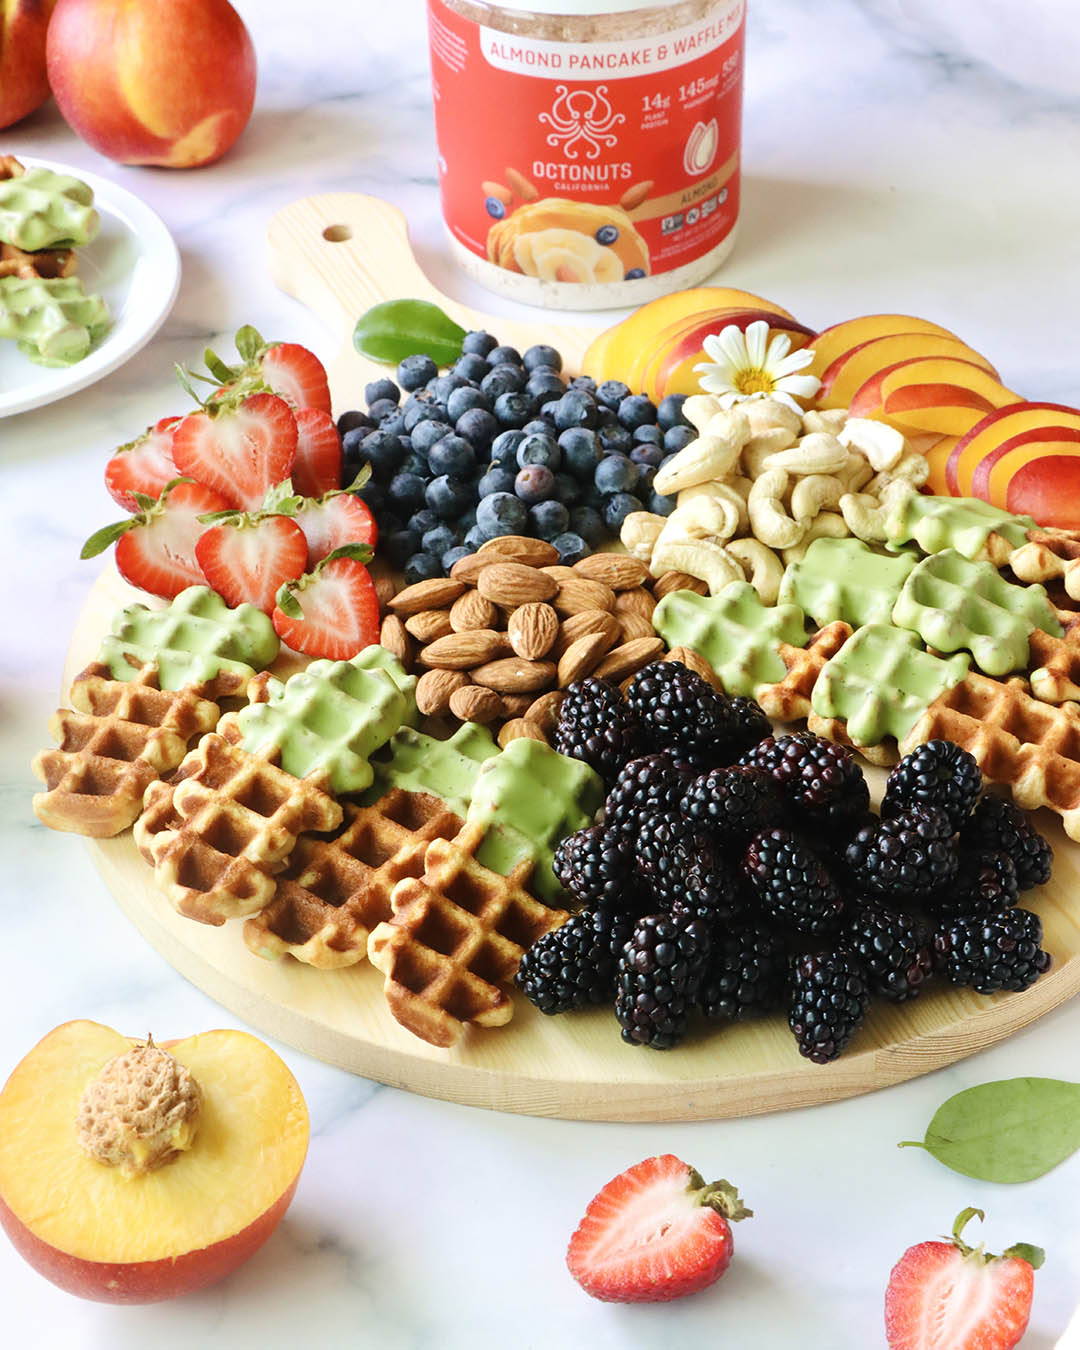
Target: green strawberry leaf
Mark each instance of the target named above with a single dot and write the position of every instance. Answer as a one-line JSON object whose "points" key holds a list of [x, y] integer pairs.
{"points": [[100, 540], [1011, 1130], [360, 552], [1034, 1256], [287, 602], [249, 343], [361, 479], [395, 329], [217, 367]]}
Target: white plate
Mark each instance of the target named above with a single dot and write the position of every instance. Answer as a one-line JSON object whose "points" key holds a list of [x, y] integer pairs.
{"points": [[135, 265]]}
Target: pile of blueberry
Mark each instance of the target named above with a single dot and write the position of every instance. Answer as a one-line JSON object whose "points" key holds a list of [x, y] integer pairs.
{"points": [[502, 444]]}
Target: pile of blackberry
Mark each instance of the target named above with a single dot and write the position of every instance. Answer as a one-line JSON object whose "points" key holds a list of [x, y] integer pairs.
{"points": [[735, 873], [499, 444]]}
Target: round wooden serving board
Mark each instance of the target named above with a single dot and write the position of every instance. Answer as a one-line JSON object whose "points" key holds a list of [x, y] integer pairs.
{"points": [[575, 1065]]}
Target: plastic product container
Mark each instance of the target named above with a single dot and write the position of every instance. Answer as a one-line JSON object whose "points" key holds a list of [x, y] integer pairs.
{"points": [[588, 149]]}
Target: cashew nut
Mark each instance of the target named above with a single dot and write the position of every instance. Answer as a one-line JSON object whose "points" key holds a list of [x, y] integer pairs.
{"points": [[766, 414], [828, 525], [856, 473], [763, 444], [818, 452], [768, 519], [866, 515], [699, 408], [828, 420], [912, 467], [763, 567], [814, 493], [727, 506], [880, 443], [676, 551], [711, 456], [639, 533]]}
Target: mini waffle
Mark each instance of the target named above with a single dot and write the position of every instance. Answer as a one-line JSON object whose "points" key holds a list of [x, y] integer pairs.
{"points": [[221, 829], [789, 699], [1049, 555], [47, 263], [457, 933], [335, 891], [120, 736]]}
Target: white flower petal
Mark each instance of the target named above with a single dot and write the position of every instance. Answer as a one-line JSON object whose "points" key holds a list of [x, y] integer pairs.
{"points": [[796, 361], [732, 343], [729, 400], [714, 380], [713, 349], [782, 397], [756, 338], [805, 386], [778, 350]]}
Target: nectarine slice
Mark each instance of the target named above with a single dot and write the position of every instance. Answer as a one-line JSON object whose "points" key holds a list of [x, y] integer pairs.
{"points": [[994, 430], [1047, 488], [104, 1235], [938, 394], [844, 376], [670, 368], [995, 471], [839, 338]]}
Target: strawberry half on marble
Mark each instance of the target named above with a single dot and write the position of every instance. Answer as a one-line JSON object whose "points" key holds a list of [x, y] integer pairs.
{"points": [[331, 611], [247, 556], [285, 368], [654, 1233], [240, 444], [143, 466]]}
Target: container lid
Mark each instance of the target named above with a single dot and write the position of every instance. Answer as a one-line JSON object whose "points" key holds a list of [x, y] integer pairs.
{"points": [[581, 8]]}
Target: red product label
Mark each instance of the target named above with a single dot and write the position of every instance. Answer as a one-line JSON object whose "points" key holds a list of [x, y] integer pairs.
{"points": [[589, 161]]}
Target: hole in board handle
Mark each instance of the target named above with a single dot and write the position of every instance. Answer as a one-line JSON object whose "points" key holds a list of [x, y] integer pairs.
{"points": [[337, 234]]}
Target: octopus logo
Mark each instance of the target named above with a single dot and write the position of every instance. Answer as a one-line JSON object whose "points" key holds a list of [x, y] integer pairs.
{"points": [[583, 117]]}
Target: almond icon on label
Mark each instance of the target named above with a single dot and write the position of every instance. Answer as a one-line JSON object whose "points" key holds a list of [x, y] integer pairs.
{"points": [[701, 146]]}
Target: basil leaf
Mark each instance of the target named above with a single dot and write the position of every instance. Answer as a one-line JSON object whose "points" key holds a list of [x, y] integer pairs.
{"points": [[399, 328], [1011, 1130]]}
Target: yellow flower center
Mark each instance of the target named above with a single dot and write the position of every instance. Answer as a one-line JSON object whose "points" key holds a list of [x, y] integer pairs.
{"points": [[754, 382]]}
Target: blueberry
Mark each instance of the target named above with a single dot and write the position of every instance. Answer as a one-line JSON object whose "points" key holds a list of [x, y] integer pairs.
{"points": [[474, 538], [384, 452], [453, 455], [405, 493], [504, 447], [539, 426], [648, 434], [455, 554], [645, 481], [548, 519], [494, 208], [547, 410], [478, 343], [611, 393], [542, 356], [678, 438], [585, 382], [544, 384], [669, 412], [394, 425], [617, 508], [660, 505], [539, 450], [587, 523], [417, 412], [425, 434], [514, 408], [353, 420], [616, 473], [471, 367], [497, 479], [439, 539], [376, 390], [606, 234], [616, 438], [501, 513], [636, 410], [422, 521], [461, 400], [448, 497], [508, 355], [572, 548], [502, 380], [373, 495], [606, 417], [478, 426], [576, 408], [415, 371], [381, 409], [580, 450], [650, 455], [398, 545], [634, 274], [567, 489], [467, 519], [534, 483], [414, 462], [352, 444], [421, 567]]}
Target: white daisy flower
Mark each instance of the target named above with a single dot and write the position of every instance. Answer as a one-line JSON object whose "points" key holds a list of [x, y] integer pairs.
{"points": [[747, 365]]}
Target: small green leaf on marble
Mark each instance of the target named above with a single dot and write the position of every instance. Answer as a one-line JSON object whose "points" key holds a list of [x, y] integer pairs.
{"points": [[395, 329]]}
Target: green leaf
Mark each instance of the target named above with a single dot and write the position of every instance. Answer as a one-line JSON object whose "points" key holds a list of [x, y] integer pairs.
{"points": [[248, 343], [217, 367], [360, 552], [100, 540], [363, 474], [1011, 1130], [287, 602], [1034, 1256], [398, 328]]}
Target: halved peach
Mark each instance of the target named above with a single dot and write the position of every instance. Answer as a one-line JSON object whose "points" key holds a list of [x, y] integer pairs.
{"points": [[938, 394], [842, 379], [995, 429], [669, 367], [839, 338], [117, 1238]]}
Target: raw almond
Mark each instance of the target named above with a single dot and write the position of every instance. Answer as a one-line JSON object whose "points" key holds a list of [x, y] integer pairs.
{"points": [[434, 689], [696, 663], [429, 624], [532, 630], [471, 703], [518, 727], [617, 570], [581, 625], [513, 584], [519, 548], [577, 594], [472, 610], [513, 675], [560, 572], [629, 658], [462, 651], [395, 639], [637, 600], [581, 658], [634, 626], [678, 581], [435, 593], [544, 711], [517, 705], [384, 586], [466, 570]]}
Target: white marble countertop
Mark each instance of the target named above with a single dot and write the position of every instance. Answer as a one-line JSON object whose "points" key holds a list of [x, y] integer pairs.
{"points": [[892, 162]]}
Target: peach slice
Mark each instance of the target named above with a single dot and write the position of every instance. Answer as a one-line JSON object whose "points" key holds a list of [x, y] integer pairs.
{"points": [[936, 450], [1047, 487], [117, 1238], [843, 378], [669, 367], [995, 471], [834, 341], [994, 430], [937, 394]]}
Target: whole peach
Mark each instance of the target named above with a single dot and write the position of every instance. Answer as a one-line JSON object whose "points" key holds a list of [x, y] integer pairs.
{"points": [[23, 86]]}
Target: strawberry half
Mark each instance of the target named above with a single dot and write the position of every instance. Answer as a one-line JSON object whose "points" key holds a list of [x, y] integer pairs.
{"points": [[333, 611], [241, 446], [654, 1233], [336, 519], [317, 468], [285, 368], [949, 1296], [248, 556], [143, 466], [155, 549]]}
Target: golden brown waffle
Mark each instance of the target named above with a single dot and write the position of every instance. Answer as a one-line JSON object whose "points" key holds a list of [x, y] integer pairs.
{"points": [[1018, 741], [223, 826], [119, 737], [835, 729], [335, 891], [457, 933], [1047, 556], [789, 699], [1054, 665], [47, 263]]}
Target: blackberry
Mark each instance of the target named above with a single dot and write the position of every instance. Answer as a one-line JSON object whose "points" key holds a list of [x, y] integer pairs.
{"points": [[1000, 951], [996, 824], [732, 804], [574, 965], [939, 774], [745, 975], [910, 857], [819, 779], [646, 786], [750, 724], [985, 883], [596, 726], [829, 998], [894, 947], [593, 867], [707, 886], [676, 708], [792, 883], [658, 977], [662, 850]]}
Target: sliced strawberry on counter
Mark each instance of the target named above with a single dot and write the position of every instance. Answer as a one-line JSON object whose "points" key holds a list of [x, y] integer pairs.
{"points": [[240, 445], [949, 1296], [248, 556], [285, 368], [317, 468], [144, 465], [336, 519], [654, 1233], [332, 611], [155, 549]]}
